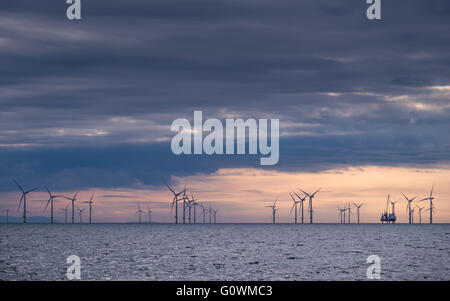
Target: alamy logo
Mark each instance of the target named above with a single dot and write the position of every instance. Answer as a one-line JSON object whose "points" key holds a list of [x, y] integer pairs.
{"points": [[374, 270], [374, 10], [73, 12], [213, 143], [74, 270]]}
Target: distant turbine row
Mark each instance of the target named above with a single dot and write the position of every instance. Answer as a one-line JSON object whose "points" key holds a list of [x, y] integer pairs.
{"points": [[190, 203]]}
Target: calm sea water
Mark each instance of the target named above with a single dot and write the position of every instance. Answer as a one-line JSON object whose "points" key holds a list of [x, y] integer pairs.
{"points": [[224, 251]]}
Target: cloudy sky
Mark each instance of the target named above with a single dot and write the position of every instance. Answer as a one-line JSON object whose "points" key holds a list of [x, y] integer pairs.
{"points": [[364, 106]]}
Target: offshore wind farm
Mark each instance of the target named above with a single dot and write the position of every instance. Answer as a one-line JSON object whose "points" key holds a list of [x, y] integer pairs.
{"points": [[225, 140], [189, 206], [301, 247]]}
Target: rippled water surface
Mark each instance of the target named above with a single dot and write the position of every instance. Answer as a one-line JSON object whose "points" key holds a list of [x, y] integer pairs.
{"points": [[224, 251]]}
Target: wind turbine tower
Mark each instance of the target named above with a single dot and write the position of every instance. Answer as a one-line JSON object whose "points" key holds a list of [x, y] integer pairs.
{"points": [[431, 208], [349, 212], [51, 200], [90, 202], [24, 199], [274, 209], [311, 196], [175, 201], [302, 205], [294, 207], [139, 212], [73, 206], [409, 207], [65, 213], [149, 215], [80, 214], [357, 209], [420, 213]]}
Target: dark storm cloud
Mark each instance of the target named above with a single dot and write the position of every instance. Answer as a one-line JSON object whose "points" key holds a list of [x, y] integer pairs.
{"points": [[348, 91]]}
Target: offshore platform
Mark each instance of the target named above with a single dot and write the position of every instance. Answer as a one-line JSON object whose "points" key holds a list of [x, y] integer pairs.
{"points": [[387, 217]]}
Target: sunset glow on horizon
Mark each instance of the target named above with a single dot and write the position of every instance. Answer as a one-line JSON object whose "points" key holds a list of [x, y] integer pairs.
{"points": [[242, 194]]}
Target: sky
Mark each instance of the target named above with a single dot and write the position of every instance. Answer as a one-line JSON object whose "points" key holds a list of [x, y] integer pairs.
{"points": [[363, 105]]}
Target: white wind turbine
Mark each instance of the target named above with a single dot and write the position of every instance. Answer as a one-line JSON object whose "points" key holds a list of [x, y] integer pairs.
{"points": [[409, 207], [90, 202], [274, 209], [24, 199], [294, 207], [431, 208], [215, 212], [139, 211], [204, 211], [420, 213], [73, 199], [80, 214], [311, 196], [341, 214], [51, 201], [357, 209], [175, 201], [149, 215], [302, 205], [65, 213], [349, 208]]}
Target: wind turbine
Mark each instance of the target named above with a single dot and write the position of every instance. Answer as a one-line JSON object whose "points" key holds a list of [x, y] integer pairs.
{"points": [[431, 208], [302, 201], [65, 214], [24, 199], [215, 212], [149, 215], [357, 209], [341, 214], [412, 215], [420, 213], [311, 196], [175, 201], [7, 216], [294, 207], [195, 211], [409, 207], [345, 213], [393, 206], [210, 211], [80, 214], [204, 210], [185, 204], [73, 206], [349, 212], [274, 209], [139, 212], [50, 201], [90, 202], [190, 204]]}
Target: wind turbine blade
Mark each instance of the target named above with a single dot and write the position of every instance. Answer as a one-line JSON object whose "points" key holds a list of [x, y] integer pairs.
{"points": [[32, 189], [48, 190], [431, 193], [171, 189], [20, 203], [405, 197], [304, 192], [292, 208], [48, 202], [316, 191], [18, 186]]}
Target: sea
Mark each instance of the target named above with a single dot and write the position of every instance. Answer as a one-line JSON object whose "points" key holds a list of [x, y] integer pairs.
{"points": [[225, 251]]}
